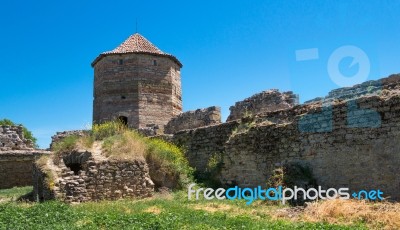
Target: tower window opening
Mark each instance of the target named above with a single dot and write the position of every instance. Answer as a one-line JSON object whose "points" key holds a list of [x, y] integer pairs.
{"points": [[123, 97], [123, 120], [154, 62], [120, 61]]}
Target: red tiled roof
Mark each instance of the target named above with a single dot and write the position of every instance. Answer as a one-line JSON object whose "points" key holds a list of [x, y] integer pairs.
{"points": [[136, 43]]}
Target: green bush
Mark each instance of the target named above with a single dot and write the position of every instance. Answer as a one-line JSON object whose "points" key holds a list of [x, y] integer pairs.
{"points": [[170, 158], [107, 129], [27, 134]]}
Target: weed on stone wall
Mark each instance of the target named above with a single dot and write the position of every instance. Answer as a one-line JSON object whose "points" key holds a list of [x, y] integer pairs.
{"points": [[66, 144], [246, 122], [42, 164]]}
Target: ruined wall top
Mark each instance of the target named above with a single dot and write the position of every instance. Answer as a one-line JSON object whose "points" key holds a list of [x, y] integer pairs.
{"points": [[12, 138], [194, 119], [61, 135], [266, 101], [373, 87]]}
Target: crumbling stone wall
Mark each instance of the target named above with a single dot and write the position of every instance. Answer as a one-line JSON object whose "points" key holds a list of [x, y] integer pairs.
{"points": [[202, 143], [16, 167], [12, 138], [79, 176], [373, 87], [354, 157], [194, 119], [266, 101], [16, 157], [61, 135], [351, 142], [151, 130]]}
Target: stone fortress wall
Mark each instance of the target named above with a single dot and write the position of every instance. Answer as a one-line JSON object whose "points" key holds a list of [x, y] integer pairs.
{"points": [[16, 157], [349, 139], [270, 100], [353, 141], [194, 119]]}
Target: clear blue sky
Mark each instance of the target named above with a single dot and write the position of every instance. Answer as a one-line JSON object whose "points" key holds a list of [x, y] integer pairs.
{"points": [[230, 50]]}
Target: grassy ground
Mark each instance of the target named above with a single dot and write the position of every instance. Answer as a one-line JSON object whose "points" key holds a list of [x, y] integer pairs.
{"points": [[164, 211], [13, 194]]}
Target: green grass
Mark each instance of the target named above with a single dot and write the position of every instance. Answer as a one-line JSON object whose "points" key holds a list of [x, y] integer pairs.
{"points": [[13, 193], [66, 144], [161, 212]]}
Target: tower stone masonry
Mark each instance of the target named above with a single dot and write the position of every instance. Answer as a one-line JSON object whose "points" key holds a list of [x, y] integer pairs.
{"points": [[136, 83]]}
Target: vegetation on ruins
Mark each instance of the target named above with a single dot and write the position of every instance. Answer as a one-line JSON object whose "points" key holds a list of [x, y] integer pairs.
{"points": [[213, 169], [50, 178], [27, 134], [246, 122], [117, 142]]}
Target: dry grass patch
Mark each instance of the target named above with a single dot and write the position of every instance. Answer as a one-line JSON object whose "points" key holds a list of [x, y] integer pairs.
{"points": [[380, 215], [212, 207], [257, 210], [153, 209], [85, 142], [126, 146]]}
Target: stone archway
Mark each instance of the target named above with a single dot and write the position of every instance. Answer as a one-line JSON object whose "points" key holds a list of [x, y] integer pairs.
{"points": [[76, 161]]}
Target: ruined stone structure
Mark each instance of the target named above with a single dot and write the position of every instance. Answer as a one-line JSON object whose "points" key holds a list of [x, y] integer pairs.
{"points": [[80, 176], [270, 100], [16, 167], [12, 138], [353, 141], [194, 119], [17, 155], [61, 135], [348, 138], [137, 83]]}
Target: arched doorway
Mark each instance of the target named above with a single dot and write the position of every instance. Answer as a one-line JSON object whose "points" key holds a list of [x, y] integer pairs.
{"points": [[123, 120]]}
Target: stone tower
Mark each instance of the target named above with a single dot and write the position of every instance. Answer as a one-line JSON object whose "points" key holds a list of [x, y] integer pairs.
{"points": [[136, 83]]}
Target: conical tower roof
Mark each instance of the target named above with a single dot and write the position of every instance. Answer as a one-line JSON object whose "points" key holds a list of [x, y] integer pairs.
{"points": [[136, 43]]}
